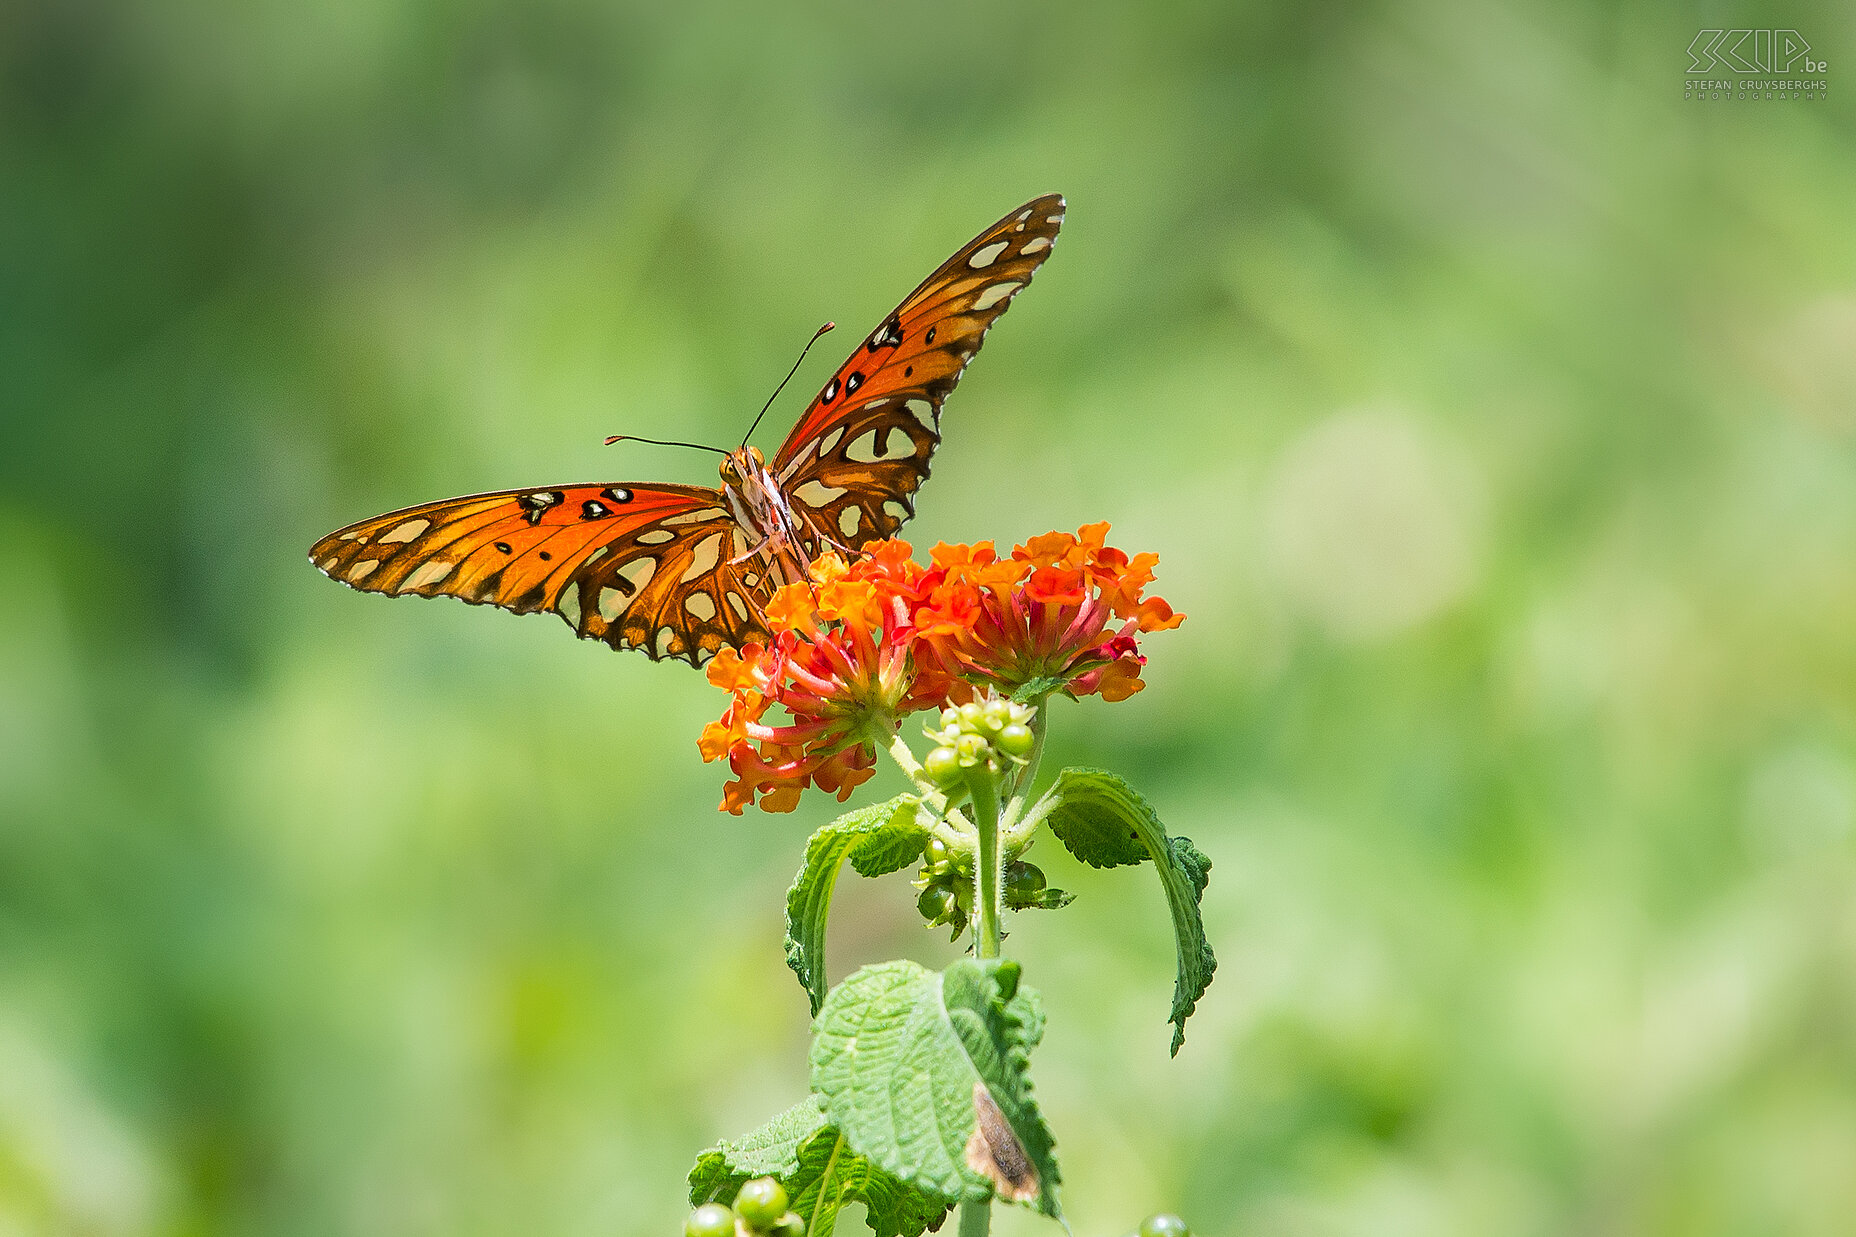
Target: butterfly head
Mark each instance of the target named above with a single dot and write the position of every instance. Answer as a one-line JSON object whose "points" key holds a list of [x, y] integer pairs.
{"points": [[739, 466]]}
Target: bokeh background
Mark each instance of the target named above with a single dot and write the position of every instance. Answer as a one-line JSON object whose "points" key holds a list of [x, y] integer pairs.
{"points": [[1492, 408]]}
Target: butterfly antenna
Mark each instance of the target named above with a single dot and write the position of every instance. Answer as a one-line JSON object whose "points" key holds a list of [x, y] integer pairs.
{"points": [[816, 335], [659, 442]]}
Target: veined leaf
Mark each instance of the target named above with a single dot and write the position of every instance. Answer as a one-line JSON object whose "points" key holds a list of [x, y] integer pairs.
{"points": [[1106, 823], [925, 1072], [821, 1174], [884, 837]]}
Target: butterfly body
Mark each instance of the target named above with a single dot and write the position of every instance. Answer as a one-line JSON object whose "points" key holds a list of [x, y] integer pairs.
{"points": [[783, 539], [683, 571]]}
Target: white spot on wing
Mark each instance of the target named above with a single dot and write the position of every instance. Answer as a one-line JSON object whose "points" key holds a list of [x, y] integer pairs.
{"points": [[985, 257], [426, 575], [817, 494], [704, 558], [993, 295], [739, 606], [569, 605], [697, 516], [612, 603], [1036, 243], [360, 570], [655, 536], [665, 638], [922, 411], [701, 605], [829, 441], [896, 510], [405, 530], [849, 519], [638, 572]]}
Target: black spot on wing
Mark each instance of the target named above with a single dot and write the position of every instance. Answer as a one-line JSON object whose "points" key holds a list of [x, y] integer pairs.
{"points": [[889, 335], [534, 505]]}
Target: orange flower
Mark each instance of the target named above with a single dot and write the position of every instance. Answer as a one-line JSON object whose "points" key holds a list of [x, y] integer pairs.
{"points": [[1041, 619], [840, 666], [868, 641]]}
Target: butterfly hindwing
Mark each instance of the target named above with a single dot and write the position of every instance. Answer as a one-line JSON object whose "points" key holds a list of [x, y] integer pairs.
{"points": [[853, 462], [638, 566]]}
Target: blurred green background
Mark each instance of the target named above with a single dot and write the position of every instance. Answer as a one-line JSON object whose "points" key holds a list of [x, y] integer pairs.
{"points": [[1492, 408]]}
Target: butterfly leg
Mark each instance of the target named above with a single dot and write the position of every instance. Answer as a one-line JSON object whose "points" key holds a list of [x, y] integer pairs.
{"points": [[747, 554]]}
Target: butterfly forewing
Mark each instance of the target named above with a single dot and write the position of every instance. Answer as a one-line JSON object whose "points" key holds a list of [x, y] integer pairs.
{"points": [[855, 459], [637, 566], [667, 568]]}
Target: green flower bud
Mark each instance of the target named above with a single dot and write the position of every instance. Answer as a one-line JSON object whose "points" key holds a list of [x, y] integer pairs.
{"points": [[997, 714], [761, 1202], [1016, 740], [942, 766], [790, 1225], [972, 715], [973, 750], [710, 1220], [1164, 1225], [1023, 881], [938, 904]]}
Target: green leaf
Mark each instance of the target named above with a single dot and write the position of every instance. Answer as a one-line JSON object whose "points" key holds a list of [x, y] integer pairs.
{"points": [[1105, 823], [918, 1068], [884, 837], [821, 1174], [1033, 690], [1042, 900]]}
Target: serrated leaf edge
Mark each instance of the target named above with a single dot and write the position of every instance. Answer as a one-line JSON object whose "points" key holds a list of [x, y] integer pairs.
{"points": [[1195, 867], [805, 947]]}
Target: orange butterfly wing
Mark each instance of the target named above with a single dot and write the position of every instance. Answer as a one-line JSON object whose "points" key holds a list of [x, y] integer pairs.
{"points": [[855, 459], [637, 566]]}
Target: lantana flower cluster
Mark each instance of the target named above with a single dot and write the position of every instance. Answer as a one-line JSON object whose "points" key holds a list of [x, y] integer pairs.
{"points": [[868, 641]]}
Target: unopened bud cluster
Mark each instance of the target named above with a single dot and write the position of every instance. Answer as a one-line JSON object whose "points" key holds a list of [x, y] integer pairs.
{"points": [[946, 884], [760, 1208], [989, 733]]}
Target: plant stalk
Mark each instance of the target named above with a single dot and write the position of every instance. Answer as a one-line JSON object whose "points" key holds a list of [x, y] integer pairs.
{"points": [[988, 863], [1026, 775], [989, 895]]}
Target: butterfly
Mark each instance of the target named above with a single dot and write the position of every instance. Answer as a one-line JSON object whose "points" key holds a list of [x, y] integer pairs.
{"points": [[682, 571]]}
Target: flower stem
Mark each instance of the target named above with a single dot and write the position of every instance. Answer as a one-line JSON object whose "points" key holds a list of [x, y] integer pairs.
{"points": [[988, 864], [905, 759], [989, 889], [1027, 773], [988, 900]]}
